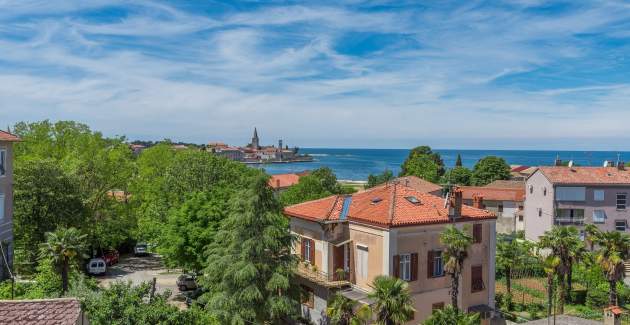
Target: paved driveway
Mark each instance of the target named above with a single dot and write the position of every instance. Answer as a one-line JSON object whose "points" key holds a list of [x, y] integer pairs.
{"points": [[142, 269]]}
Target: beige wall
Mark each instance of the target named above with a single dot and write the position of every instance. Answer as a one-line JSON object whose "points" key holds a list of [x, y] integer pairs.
{"points": [[310, 230], [372, 238]]}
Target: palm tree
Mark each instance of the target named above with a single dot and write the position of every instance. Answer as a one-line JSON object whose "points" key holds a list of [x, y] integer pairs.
{"points": [[550, 265], [450, 315], [393, 304], [63, 246], [562, 241], [511, 253], [591, 234], [613, 250], [343, 311], [456, 243]]}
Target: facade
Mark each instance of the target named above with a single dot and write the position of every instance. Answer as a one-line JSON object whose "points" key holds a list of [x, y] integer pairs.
{"points": [[506, 201], [345, 242], [6, 203], [61, 311], [577, 196]]}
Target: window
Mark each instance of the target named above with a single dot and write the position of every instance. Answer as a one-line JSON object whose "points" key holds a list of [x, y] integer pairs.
{"points": [[435, 264], [544, 191], [476, 274], [362, 261], [620, 225], [3, 162], [531, 189], [539, 212], [598, 195], [1, 207], [308, 250], [307, 296], [621, 201], [520, 207], [520, 217], [477, 233], [599, 216], [437, 306], [571, 193], [500, 208], [405, 267]]}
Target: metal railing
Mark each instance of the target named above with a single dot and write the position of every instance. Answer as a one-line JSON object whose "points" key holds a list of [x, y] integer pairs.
{"points": [[337, 279], [568, 221]]}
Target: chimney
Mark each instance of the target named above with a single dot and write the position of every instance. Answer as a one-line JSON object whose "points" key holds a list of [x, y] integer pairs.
{"points": [[277, 184], [477, 201], [558, 161], [455, 204], [406, 182], [621, 165]]}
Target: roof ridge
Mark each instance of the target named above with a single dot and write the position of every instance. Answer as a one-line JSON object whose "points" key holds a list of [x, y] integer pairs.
{"points": [[392, 205], [332, 208], [311, 201], [41, 300]]}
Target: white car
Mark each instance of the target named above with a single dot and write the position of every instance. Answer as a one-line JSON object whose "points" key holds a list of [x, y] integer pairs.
{"points": [[96, 266]]}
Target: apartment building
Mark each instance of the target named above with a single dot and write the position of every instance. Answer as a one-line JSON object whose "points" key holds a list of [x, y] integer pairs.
{"points": [[6, 202], [563, 195], [505, 199], [393, 229]]}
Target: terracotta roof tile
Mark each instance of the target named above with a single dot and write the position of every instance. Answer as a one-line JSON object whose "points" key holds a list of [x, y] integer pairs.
{"points": [[494, 194], [506, 184], [64, 311], [386, 205], [419, 184], [6, 136], [586, 175], [285, 180]]}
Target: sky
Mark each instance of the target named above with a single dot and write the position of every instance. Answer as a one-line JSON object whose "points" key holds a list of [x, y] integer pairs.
{"points": [[521, 74]]}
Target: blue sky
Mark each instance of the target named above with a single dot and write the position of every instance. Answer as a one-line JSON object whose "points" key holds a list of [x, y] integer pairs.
{"points": [[522, 74]]}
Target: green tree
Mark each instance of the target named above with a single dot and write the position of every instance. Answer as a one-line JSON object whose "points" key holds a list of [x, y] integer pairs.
{"points": [[450, 315], [612, 251], [458, 175], [250, 262], [393, 304], [562, 242], [320, 183], [458, 161], [550, 265], [456, 243], [344, 311], [591, 233], [490, 169], [424, 163], [63, 246], [511, 253], [374, 180]]}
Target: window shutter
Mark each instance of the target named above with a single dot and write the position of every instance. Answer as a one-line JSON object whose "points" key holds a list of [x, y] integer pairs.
{"points": [[429, 264], [477, 233], [312, 254], [396, 266], [414, 266], [302, 251]]}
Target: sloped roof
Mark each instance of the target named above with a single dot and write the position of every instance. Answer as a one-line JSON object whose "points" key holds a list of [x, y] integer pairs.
{"points": [[419, 184], [586, 175], [6, 136], [494, 194], [506, 184], [386, 205], [285, 180], [62, 311]]}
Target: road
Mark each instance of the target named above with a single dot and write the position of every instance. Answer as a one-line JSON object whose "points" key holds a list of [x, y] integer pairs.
{"points": [[142, 269]]}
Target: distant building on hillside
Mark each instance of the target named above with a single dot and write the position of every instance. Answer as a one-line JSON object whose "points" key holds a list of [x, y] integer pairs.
{"points": [[6, 203]]}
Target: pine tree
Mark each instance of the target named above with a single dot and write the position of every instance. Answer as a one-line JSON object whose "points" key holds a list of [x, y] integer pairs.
{"points": [[250, 263], [458, 162]]}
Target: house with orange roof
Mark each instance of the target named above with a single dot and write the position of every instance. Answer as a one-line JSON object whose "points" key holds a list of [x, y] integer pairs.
{"points": [[6, 203], [346, 241], [571, 195], [281, 182], [505, 200]]}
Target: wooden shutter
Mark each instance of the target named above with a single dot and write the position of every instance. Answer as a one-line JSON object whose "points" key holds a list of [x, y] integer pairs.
{"points": [[476, 274], [302, 251], [414, 266], [351, 261], [312, 254], [396, 266], [429, 264], [477, 233]]}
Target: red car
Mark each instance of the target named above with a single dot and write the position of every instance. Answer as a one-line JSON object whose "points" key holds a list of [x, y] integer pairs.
{"points": [[111, 257]]}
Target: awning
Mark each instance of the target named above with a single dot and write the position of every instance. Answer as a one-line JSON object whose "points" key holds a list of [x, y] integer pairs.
{"points": [[357, 295]]}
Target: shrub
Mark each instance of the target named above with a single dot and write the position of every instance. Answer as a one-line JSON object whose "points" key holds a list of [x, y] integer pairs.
{"points": [[596, 298], [586, 312], [578, 297]]}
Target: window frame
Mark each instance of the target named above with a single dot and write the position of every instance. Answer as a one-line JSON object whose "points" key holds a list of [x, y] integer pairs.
{"points": [[404, 267], [3, 162], [598, 198], [438, 264], [625, 225], [2, 206], [597, 220], [307, 250], [500, 208], [477, 233], [625, 201], [476, 285]]}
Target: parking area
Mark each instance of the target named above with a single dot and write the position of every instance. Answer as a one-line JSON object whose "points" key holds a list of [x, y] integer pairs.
{"points": [[138, 269]]}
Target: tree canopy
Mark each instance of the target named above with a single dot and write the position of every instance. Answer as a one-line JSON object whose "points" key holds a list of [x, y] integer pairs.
{"points": [[375, 180], [424, 163], [490, 169], [322, 182]]}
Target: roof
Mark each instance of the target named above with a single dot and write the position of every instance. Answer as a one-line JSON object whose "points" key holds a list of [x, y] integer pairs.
{"points": [[506, 184], [387, 205], [494, 194], [419, 184], [6, 136], [285, 180], [62, 311], [586, 175], [517, 169]]}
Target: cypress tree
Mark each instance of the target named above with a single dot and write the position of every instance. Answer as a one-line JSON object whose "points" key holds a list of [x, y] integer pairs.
{"points": [[250, 263], [458, 162]]}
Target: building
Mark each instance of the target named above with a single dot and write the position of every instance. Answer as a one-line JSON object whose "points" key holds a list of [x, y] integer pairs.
{"points": [[230, 153], [255, 144], [281, 182], [420, 184], [137, 148], [505, 199], [392, 229], [60, 311], [6, 203], [576, 196], [520, 172]]}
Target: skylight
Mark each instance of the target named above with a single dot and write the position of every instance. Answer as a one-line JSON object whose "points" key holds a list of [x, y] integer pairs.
{"points": [[376, 200], [412, 199]]}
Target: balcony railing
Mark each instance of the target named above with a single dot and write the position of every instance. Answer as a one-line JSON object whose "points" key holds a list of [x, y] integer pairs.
{"points": [[568, 221], [338, 279]]}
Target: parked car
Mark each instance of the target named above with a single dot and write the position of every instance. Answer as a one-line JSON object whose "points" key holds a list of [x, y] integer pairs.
{"points": [[111, 257], [96, 266], [192, 296], [141, 249], [186, 282]]}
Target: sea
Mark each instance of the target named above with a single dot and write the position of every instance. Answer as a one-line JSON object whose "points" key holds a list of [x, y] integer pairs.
{"points": [[357, 164]]}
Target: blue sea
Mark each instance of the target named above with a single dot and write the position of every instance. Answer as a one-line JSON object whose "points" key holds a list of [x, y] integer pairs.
{"points": [[357, 164]]}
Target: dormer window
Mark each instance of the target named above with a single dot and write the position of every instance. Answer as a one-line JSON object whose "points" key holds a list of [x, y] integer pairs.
{"points": [[413, 200]]}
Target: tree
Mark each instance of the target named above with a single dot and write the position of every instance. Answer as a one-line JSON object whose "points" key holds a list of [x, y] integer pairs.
{"points": [[344, 311], [458, 176], [320, 183], [561, 241], [63, 247], [374, 180], [458, 161], [490, 169], [250, 261], [591, 233], [417, 163], [612, 250], [450, 315], [456, 243], [511, 253], [393, 304], [550, 266]]}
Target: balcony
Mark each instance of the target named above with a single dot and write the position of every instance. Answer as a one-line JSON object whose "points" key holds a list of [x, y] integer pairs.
{"points": [[569, 217], [568, 221], [311, 273]]}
